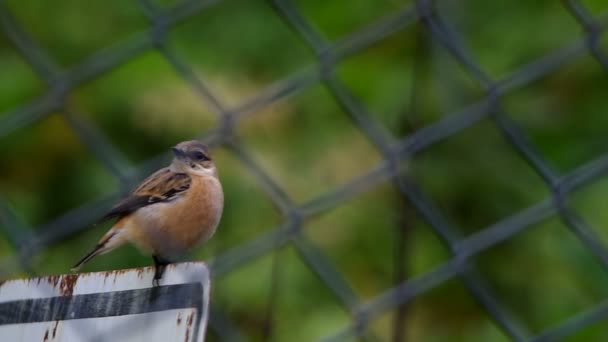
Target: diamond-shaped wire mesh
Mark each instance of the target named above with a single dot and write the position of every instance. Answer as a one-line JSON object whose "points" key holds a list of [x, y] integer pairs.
{"points": [[391, 154]]}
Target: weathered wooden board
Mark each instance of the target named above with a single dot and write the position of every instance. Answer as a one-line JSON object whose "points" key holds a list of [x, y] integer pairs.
{"points": [[108, 306]]}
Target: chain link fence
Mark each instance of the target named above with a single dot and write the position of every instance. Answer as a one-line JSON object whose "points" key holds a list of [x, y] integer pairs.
{"points": [[397, 157]]}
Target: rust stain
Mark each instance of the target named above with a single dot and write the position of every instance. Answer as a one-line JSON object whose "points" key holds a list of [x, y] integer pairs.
{"points": [[106, 274], [189, 325], [55, 328], [140, 272], [179, 318], [119, 272], [124, 271], [46, 336], [190, 319], [66, 287], [52, 280]]}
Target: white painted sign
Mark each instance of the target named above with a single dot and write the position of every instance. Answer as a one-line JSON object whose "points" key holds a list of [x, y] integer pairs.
{"points": [[108, 306]]}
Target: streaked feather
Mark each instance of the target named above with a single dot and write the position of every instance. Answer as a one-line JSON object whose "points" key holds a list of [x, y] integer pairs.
{"points": [[162, 186]]}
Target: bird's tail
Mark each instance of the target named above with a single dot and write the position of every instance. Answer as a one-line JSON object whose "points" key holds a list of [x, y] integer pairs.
{"points": [[114, 238], [96, 251]]}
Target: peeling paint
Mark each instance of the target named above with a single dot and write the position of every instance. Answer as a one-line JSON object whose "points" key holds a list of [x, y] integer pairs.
{"points": [[55, 288]]}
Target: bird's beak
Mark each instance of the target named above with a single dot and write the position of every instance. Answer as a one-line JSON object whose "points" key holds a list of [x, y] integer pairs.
{"points": [[178, 153]]}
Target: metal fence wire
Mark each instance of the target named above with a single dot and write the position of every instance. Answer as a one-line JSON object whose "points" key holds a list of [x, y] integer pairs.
{"points": [[396, 153]]}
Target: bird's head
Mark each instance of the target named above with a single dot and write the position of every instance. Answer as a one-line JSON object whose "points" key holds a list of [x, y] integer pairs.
{"points": [[193, 157]]}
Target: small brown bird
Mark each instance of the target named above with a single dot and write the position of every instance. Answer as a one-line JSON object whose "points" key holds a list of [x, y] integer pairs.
{"points": [[170, 212]]}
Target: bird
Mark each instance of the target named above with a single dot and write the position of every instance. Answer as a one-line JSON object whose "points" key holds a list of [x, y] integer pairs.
{"points": [[172, 211]]}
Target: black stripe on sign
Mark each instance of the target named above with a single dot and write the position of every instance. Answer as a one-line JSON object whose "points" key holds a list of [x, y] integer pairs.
{"points": [[103, 304]]}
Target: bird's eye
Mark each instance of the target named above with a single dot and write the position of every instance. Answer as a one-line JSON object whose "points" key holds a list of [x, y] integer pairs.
{"points": [[199, 155]]}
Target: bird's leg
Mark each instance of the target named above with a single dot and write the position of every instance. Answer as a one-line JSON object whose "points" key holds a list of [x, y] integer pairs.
{"points": [[159, 268]]}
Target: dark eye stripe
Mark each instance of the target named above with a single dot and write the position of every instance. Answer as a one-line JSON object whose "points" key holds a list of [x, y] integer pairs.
{"points": [[199, 156]]}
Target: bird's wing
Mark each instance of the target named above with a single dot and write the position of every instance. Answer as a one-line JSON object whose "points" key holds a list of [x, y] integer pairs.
{"points": [[161, 186]]}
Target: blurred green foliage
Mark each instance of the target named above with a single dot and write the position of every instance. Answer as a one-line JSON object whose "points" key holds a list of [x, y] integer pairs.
{"points": [[308, 145]]}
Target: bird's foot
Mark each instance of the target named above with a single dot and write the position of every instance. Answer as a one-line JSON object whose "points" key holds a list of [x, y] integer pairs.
{"points": [[159, 270]]}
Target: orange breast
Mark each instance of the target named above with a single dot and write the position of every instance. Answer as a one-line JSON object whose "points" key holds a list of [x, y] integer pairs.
{"points": [[172, 228]]}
